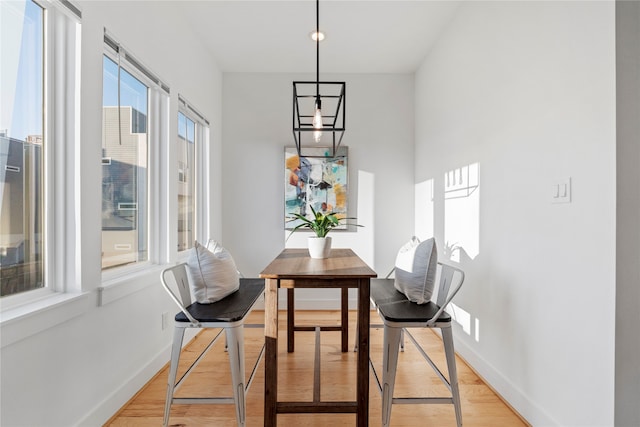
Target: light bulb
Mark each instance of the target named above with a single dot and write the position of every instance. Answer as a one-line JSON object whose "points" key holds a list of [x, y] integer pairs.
{"points": [[316, 35], [317, 119]]}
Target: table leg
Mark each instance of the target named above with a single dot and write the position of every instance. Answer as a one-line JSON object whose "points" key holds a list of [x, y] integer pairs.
{"points": [[291, 322], [344, 322], [271, 352], [362, 389], [344, 319]]}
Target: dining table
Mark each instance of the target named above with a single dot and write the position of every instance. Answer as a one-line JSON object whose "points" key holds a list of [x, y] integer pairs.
{"points": [[294, 268]]}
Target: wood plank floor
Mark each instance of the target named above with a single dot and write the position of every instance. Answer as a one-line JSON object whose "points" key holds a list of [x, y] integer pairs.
{"points": [[480, 405]]}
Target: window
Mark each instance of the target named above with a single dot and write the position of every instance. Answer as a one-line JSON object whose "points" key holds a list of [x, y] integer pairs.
{"points": [[124, 166], [37, 142], [192, 177], [186, 181], [21, 141], [131, 136]]}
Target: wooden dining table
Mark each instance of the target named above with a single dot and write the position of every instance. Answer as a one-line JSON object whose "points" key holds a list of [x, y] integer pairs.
{"points": [[293, 268]]}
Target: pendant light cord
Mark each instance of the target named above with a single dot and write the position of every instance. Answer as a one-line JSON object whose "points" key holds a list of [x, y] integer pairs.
{"points": [[318, 51]]}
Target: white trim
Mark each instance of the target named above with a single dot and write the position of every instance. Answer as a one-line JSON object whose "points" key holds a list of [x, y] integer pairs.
{"points": [[202, 173], [203, 192], [188, 109], [73, 8], [26, 320], [115, 47], [156, 144], [122, 285], [61, 68], [70, 9], [509, 392], [10, 302], [110, 405], [102, 412], [203, 183], [158, 140]]}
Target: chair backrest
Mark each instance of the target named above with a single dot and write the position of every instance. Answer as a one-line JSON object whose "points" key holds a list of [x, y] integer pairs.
{"points": [[177, 275], [446, 292]]}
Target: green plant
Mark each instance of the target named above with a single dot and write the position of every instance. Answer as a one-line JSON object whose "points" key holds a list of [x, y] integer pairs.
{"points": [[320, 224]]}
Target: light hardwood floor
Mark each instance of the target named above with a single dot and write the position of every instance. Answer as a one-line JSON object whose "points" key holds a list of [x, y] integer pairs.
{"points": [[480, 405]]}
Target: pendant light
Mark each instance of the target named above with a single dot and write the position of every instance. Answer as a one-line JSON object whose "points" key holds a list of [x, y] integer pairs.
{"points": [[318, 109]]}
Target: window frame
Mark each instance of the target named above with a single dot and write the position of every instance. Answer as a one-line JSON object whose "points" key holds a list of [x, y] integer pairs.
{"points": [[191, 182], [129, 68], [201, 173], [61, 298], [158, 94], [48, 287]]}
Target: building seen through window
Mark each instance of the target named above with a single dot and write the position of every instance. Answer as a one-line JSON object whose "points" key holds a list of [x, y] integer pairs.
{"points": [[124, 167], [186, 181], [21, 148]]}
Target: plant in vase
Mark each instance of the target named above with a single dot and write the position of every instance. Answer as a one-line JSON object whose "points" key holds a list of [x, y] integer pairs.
{"points": [[321, 224]]}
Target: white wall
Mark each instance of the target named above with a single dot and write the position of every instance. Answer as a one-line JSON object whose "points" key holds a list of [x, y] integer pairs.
{"points": [[83, 370], [527, 91], [257, 117]]}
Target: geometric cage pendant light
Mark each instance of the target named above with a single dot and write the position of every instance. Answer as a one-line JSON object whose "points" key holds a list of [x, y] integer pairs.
{"points": [[318, 110]]}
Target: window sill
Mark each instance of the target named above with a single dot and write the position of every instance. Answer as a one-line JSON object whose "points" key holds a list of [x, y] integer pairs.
{"points": [[115, 288], [29, 319]]}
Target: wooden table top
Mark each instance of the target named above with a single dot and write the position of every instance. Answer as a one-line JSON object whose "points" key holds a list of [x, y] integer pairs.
{"points": [[297, 264]]}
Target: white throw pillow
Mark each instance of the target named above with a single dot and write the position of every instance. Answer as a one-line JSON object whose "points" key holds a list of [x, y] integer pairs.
{"points": [[415, 273], [213, 273]]}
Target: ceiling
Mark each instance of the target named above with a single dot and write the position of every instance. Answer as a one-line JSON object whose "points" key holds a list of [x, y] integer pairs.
{"points": [[383, 36]]}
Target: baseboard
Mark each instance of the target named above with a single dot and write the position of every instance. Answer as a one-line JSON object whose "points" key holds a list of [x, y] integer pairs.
{"points": [[111, 405], [512, 396], [518, 401]]}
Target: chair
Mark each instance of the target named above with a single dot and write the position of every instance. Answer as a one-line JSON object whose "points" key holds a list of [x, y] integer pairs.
{"points": [[229, 314], [398, 314]]}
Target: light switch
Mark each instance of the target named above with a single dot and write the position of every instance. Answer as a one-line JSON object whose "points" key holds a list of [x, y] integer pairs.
{"points": [[561, 190]]}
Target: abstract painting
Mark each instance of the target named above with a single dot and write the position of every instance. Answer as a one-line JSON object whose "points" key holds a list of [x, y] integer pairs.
{"points": [[318, 181]]}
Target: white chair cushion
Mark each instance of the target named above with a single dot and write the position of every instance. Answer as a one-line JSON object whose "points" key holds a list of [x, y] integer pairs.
{"points": [[213, 273], [415, 273]]}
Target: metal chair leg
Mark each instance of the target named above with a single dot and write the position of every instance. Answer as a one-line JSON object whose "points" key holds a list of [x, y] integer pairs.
{"points": [[447, 339], [178, 335], [355, 346], [391, 345], [235, 342]]}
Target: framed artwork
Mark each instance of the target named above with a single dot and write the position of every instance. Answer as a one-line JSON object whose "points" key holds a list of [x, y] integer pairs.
{"points": [[319, 182]]}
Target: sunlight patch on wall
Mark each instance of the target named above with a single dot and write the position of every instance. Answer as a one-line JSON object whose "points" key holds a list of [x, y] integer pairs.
{"points": [[462, 213], [365, 217], [461, 317], [424, 210], [464, 319]]}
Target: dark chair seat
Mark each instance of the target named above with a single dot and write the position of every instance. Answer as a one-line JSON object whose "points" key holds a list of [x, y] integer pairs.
{"points": [[394, 306], [232, 308]]}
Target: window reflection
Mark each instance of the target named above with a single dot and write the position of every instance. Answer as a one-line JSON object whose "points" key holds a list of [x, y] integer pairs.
{"points": [[124, 167], [21, 148], [186, 181]]}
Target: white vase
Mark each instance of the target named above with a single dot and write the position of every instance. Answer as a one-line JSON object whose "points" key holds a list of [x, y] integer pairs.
{"points": [[319, 247]]}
